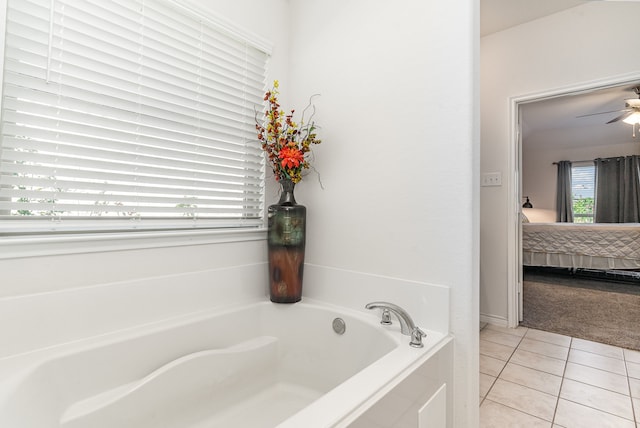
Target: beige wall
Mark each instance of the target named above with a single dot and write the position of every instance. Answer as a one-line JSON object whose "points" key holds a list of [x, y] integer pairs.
{"points": [[576, 46], [539, 173]]}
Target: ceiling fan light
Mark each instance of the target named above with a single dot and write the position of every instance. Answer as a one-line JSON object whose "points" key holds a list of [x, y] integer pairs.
{"points": [[633, 118]]}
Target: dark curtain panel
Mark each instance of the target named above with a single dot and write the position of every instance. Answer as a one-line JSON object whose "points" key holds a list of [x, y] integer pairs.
{"points": [[618, 190], [563, 194]]}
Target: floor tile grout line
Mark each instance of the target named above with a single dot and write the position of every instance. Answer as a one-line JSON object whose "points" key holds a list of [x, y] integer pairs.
{"points": [[533, 368], [528, 387], [510, 355], [502, 369], [597, 368], [504, 329], [584, 340], [548, 343], [626, 370], [518, 410], [527, 350], [498, 343], [545, 355], [514, 336], [598, 354], [564, 372], [598, 386], [598, 410]]}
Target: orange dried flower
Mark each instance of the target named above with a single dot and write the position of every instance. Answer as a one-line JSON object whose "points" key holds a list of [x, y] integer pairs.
{"points": [[291, 157], [285, 142]]}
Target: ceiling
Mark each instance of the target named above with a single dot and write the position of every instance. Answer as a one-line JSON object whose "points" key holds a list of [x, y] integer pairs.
{"points": [[578, 120], [498, 15], [555, 121]]}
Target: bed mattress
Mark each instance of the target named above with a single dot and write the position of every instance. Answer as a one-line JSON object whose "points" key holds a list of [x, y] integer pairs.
{"points": [[597, 246]]}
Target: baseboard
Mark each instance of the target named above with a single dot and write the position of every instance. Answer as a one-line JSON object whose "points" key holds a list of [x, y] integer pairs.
{"points": [[494, 320]]}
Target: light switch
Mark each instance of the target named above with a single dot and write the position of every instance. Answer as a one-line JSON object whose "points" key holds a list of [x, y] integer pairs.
{"points": [[491, 179]]}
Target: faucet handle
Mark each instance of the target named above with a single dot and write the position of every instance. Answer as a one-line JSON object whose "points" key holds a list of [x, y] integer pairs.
{"points": [[416, 337], [386, 317]]}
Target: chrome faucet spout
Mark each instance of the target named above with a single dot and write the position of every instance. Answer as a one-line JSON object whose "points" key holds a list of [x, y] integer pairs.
{"points": [[406, 322], [407, 326]]}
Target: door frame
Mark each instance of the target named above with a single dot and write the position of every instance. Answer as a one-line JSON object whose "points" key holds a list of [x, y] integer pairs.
{"points": [[514, 192]]}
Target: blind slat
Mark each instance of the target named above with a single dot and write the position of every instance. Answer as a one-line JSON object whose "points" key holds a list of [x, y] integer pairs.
{"points": [[123, 188], [104, 170], [172, 124], [200, 181], [127, 200], [129, 108], [58, 209]]}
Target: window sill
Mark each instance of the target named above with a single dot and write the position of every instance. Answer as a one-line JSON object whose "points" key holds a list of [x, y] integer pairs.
{"points": [[35, 246]]}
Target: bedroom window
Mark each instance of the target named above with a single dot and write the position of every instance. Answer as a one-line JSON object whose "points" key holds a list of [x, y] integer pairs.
{"points": [[135, 115], [583, 181]]}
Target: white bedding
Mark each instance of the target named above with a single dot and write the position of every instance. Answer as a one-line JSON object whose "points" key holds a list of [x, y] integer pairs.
{"points": [[571, 245]]}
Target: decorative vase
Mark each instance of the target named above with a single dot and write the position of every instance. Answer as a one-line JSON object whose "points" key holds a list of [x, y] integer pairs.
{"points": [[286, 241]]}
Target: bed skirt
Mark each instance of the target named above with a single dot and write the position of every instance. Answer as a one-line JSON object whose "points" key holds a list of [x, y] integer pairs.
{"points": [[530, 258]]}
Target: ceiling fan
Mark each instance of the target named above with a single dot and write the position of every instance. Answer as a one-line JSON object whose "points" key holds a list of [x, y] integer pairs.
{"points": [[632, 110], [630, 114]]}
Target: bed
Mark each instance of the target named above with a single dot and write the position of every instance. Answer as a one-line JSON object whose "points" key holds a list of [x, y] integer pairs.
{"points": [[588, 246]]}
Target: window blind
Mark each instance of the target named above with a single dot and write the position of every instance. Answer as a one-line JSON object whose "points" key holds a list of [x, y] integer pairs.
{"points": [[114, 111], [583, 191]]}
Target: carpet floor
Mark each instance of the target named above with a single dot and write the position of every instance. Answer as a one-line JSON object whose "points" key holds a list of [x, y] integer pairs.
{"points": [[605, 312]]}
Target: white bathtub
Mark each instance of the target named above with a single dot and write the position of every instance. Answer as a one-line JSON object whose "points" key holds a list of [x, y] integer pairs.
{"points": [[252, 365]]}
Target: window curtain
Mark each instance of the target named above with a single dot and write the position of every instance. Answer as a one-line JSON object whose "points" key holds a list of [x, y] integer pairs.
{"points": [[563, 193], [618, 190]]}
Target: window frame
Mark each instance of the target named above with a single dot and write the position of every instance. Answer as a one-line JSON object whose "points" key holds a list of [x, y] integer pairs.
{"points": [[25, 246]]}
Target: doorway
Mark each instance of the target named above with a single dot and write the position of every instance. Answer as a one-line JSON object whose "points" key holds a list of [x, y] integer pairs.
{"points": [[518, 120]]}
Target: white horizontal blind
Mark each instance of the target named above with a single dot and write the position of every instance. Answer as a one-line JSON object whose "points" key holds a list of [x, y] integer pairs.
{"points": [[583, 180], [129, 109]]}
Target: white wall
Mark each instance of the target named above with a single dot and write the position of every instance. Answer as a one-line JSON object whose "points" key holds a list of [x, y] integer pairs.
{"points": [[398, 160], [579, 45], [539, 173]]}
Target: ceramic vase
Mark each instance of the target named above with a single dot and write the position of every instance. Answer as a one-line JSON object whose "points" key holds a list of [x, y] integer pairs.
{"points": [[286, 242]]}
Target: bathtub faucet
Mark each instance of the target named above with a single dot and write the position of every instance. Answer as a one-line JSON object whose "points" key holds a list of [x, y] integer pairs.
{"points": [[407, 326]]}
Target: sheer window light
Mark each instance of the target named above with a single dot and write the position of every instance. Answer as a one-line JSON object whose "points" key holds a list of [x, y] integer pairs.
{"points": [[129, 115]]}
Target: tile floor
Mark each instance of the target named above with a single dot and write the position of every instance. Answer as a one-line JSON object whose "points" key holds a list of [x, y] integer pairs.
{"points": [[532, 378]]}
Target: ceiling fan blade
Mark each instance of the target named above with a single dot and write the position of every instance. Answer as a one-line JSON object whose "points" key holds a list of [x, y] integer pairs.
{"points": [[621, 117], [602, 112]]}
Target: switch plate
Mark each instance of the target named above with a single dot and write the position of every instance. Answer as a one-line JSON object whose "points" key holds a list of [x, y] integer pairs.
{"points": [[491, 179]]}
